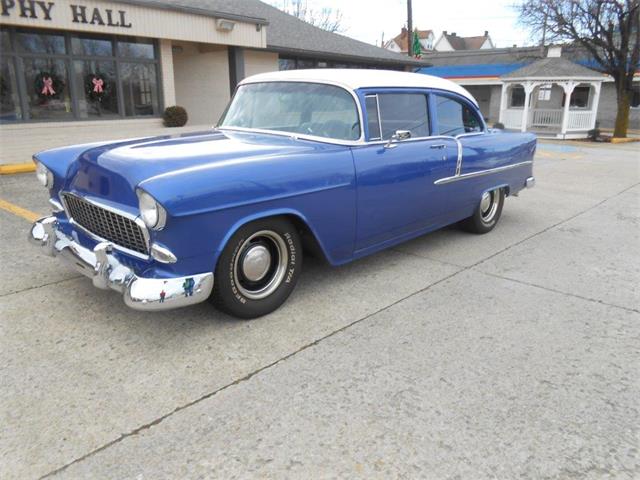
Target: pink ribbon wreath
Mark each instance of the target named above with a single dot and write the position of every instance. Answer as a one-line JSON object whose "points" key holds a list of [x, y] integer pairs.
{"points": [[47, 86]]}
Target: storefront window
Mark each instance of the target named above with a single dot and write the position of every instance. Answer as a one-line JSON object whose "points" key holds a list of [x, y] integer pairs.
{"points": [[9, 100], [40, 43], [136, 50], [96, 87], [94, 47], [47, 86], [4, 41], [139, 89], [97, 77]]}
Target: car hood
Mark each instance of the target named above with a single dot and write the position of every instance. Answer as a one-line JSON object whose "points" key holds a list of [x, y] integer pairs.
{"points": [[113, 171]]}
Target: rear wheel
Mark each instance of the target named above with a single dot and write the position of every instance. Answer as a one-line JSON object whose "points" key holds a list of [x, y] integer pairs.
{"points": [[258, 269], [487, 213]]}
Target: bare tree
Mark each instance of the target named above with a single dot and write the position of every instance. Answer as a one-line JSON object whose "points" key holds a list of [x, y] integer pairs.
{"points": [[325, 18], [607, 29]]}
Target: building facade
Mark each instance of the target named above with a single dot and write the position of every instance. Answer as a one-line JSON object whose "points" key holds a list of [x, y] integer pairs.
{"points": [[81, 71]]}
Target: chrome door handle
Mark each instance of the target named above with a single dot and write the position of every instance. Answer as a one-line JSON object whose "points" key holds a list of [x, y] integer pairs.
{"points": [[439, 145]]}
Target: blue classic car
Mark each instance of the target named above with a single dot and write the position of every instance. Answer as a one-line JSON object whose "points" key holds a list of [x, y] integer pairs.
{"points": [[341, 163]]}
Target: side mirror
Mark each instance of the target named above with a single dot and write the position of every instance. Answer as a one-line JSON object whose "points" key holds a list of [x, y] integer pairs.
{"points": [[397, 137]]}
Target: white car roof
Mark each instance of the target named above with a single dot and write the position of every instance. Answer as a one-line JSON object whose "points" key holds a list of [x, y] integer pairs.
{"points": [[353, 78]]}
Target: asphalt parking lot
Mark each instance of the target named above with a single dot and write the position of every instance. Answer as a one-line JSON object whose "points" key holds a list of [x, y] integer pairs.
{"points": [[510, 355]]}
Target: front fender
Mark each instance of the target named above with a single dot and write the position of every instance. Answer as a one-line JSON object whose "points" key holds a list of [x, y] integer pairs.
{"points": [[206, 206]]}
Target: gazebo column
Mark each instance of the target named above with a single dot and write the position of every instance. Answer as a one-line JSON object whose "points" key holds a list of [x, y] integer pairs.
{"points": [[504, 96], [568, 88], [595, 102], [528, 88]]}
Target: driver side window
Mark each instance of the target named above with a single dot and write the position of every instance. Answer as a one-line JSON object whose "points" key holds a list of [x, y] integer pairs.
{"points": [[455, 118]]}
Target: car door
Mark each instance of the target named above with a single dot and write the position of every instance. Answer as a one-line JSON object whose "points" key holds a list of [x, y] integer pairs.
{"points": [[456, 118], [395, 180]]}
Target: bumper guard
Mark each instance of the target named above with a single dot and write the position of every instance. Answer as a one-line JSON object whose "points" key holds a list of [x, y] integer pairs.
{"points": [[106, 272]]}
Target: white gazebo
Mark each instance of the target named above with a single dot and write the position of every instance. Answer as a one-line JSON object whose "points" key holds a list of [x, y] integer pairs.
{"points": [[552, 96]]}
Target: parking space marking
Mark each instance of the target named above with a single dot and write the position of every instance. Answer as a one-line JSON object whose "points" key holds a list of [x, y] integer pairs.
{"points": [[19, 211]]}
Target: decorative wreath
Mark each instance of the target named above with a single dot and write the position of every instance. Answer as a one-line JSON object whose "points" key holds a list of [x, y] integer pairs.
{"points": [[48, 85], [96, 87]]}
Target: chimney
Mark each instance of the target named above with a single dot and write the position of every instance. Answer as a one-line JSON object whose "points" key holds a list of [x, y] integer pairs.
{"points": [[444, 32], [453, 34], [404, 29], [515, 46], [486, 33], [554, 51]]}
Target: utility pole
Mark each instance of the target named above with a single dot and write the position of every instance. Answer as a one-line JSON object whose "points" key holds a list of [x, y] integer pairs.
{"points": [[409, 29]]}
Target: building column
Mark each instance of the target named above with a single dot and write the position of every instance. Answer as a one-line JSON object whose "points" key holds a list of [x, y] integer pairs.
{"points": [[528, 88], [595, 103], [166, 67], [236, 67], [568, 88]]}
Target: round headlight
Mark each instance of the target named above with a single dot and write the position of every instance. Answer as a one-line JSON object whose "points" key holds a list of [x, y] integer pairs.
{"points": [[44, 175], [151, 212]]}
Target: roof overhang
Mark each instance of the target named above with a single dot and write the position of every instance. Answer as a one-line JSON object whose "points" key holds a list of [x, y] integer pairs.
{"points": [[320, 55], [600, 78], [196, 11]]}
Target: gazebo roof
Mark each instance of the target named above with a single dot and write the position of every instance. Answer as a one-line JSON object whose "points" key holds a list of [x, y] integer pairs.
{"points": [[553, 68]]}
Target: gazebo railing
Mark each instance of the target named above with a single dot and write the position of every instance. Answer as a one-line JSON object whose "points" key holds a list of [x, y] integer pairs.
{"points": [[580, 120], [546, 118], [512, 117]]}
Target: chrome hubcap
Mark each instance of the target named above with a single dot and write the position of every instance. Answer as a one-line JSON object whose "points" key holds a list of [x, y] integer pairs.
{"points": [[261, 264], [489, 205], [256, 263]]}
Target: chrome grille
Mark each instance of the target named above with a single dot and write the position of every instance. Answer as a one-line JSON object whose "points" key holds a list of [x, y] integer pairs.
{"points": [[104, 223]]}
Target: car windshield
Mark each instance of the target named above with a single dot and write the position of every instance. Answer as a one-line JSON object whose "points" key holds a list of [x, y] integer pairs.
{"points": [[305, 108]]}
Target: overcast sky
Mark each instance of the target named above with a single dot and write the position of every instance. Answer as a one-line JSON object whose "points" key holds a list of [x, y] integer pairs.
{"points": [[366, 20]]}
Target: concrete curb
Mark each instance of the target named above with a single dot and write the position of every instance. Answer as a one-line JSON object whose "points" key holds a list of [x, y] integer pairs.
{"points": [[624, 140], [13, 168]]}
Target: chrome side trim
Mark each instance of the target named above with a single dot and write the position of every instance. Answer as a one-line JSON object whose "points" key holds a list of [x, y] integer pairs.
{"points": [[480, 173], [459, 161]]}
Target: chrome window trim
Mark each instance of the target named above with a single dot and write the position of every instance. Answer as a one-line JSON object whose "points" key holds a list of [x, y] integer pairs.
{"points": [[294, 136], [303, 136], [134, 218], [480, 173], [379, 117], [371, 95]]}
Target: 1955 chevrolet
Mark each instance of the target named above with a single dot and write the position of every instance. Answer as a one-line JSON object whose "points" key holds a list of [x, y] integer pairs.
{"points": [[342, 163]]}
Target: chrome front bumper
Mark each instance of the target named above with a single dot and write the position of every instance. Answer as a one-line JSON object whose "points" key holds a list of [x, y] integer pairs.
{"points": [[107, 272]]}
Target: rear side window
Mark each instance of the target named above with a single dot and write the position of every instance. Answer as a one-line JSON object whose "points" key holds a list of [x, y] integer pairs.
{"points": [[455, 118], [388, 112]]}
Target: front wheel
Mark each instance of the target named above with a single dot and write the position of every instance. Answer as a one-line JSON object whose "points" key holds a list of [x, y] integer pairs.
{"points": [[258, 269], [487, 213]]}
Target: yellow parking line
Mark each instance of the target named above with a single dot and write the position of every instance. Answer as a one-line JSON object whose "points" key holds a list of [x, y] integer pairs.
{"points": [[19, 211], [13, 168]]}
